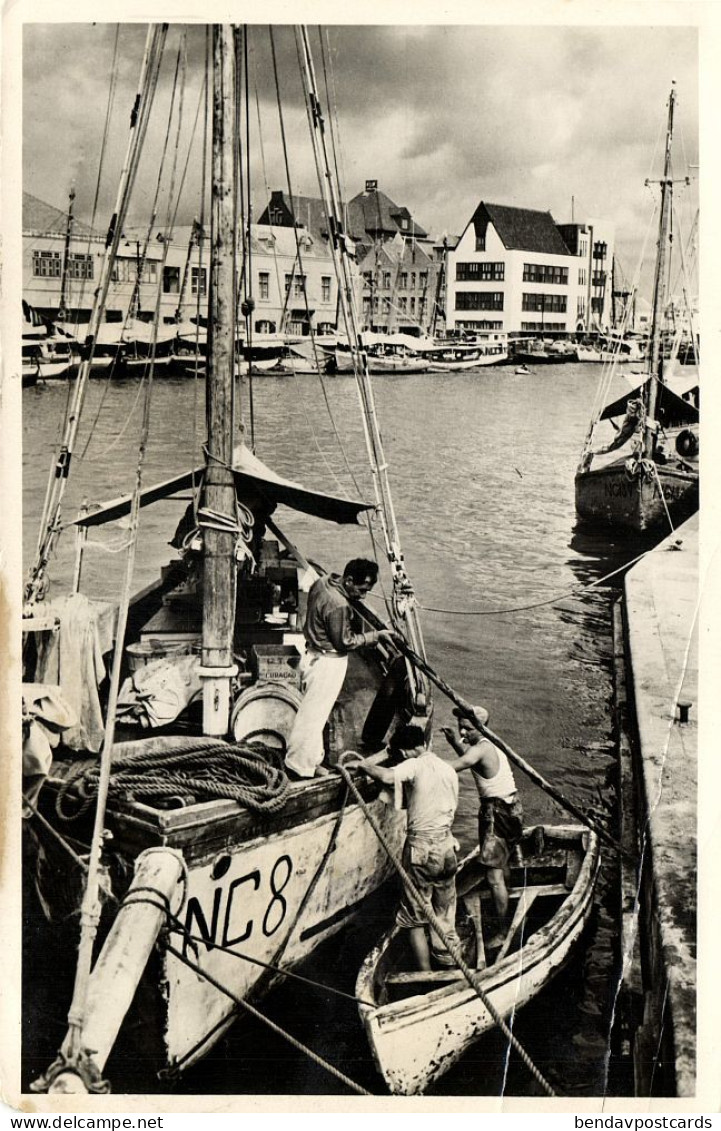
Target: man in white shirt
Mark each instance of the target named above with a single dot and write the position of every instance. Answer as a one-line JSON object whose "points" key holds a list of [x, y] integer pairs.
{"points": [[429, 853]]}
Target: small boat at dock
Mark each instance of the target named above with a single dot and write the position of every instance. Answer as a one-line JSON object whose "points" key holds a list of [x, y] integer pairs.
{"points": [[419, 1023]]}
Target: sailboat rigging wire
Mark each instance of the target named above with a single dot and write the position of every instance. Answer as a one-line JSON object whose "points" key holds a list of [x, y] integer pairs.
{"points": [[608, 371], [151, 61], [133, 305], [403, 595], [332, 112], [338, 283], [251, 1009]]}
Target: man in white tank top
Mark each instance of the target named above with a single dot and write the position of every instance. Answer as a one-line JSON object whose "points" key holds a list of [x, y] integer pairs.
{"points": [[500, 817]]}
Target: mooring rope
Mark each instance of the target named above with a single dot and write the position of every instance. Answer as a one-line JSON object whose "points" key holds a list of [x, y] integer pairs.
{"points": [[470, 975], [251, 1009]]}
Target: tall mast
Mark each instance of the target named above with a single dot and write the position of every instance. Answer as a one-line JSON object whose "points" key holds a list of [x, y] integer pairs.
{"points": [[219, 574], [660, 282], [62, 310]]}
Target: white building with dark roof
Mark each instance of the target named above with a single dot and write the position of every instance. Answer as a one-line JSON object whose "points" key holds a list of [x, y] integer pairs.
{"points": [[513, 271]]}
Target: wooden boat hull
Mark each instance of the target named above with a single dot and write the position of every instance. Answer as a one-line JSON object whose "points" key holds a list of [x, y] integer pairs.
{"points": [[266, 888], [609, 495], [416, 1040]]}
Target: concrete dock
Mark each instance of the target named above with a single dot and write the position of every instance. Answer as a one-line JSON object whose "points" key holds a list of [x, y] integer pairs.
{"points": [[659, 762]]}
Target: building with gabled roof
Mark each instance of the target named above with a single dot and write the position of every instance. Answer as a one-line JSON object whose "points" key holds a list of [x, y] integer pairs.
{"points": [[400, 286], [514, 271], [293, 283]]}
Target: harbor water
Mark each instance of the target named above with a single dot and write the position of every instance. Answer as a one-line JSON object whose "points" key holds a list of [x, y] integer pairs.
{"points": [[482, 467]]}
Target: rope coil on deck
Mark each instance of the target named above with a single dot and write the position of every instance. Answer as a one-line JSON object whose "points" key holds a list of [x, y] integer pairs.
{"points": [[239, 772]]}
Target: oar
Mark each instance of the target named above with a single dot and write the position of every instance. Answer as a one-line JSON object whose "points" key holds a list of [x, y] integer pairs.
{"points": [[511, 754]]}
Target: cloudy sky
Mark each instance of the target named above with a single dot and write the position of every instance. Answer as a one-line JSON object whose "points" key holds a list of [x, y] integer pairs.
{"points": [[441, 116]]}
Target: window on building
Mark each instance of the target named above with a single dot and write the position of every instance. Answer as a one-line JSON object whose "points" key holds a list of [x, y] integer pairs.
{"points": [[413, 304], [470, 272], [402, 303], [580, 307], [264, 284], [366, 305], [599, 278], [403, 280], [197, 279], [479, 300], [582, 276], [368, 278], [386, 279], [481, 324], [545, 273], [553, 303], [404, 224], [80, 266], [413, 280], [600, 249], [584, 248], [46, 264], [423, 279], [299, 286], [264, 327], [480, 243], [171, 280], [325, 287], [276, 216]]}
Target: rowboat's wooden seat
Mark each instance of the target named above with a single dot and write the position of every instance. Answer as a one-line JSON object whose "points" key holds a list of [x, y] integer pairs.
{"points": [[409, 977]]}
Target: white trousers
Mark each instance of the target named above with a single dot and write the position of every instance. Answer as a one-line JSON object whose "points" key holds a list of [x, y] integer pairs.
{"points": [[322, 674]]}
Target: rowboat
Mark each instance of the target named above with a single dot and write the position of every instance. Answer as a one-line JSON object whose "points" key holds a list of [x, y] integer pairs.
{"points": [[419, 1023]]}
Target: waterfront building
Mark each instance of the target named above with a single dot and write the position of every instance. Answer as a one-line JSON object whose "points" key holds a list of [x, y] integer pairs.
{"points": [[293, 283], [398, 263], [513, 271]]}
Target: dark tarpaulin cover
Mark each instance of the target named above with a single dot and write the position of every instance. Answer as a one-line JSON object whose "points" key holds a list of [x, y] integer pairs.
{"points": [[671, 409], [248, 470]]}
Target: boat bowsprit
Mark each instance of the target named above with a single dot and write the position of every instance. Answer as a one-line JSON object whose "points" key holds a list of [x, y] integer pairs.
{"points": [[419, 1023]]}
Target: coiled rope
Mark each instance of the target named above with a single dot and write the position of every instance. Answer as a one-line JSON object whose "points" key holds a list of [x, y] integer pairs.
{"points": [[239, 772], [470, 976]]}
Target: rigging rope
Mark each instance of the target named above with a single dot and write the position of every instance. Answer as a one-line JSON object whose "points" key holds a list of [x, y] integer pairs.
{"points": [[251, 1009], [470, 976], [575, 591]]}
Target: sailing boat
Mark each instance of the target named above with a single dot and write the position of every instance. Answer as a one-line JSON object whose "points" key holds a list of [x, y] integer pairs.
{"points": [[656, 483], [189, 830]]}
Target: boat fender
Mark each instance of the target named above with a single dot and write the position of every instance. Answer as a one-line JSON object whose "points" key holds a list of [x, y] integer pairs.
{"points": [[687, 443]]}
